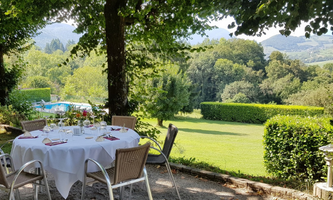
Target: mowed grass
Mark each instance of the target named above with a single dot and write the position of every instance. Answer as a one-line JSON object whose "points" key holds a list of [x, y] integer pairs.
{"points": [[231, 146]]}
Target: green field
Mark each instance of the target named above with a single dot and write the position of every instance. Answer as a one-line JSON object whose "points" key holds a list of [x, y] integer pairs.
{"points": [[230, 146]]}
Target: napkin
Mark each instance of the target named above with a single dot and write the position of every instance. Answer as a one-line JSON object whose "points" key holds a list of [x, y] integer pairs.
{"points": [[55, 143], [100, 139], [27, 133], [46, 140], [111, 138], [123, 130], [27, 137]]}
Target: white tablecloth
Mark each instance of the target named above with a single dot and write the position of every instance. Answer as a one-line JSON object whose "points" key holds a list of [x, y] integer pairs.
{"points": [[66, 161]]}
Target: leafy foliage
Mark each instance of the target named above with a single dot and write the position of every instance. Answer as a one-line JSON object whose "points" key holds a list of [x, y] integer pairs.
{"points": [[20, 20], [55, 45], [165, 95], [292, 146], [37, 94], [253, 113], [8, 115], [19, 101]]}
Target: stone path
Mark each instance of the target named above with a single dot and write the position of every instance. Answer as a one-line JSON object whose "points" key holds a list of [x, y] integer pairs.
{"points": [[190, 187]]}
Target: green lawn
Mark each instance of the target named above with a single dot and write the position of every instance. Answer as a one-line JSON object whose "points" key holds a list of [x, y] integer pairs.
{"points": [[228, 145]]}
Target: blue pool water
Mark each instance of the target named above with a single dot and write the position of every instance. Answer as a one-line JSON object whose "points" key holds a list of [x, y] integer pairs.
{"points": [[63, 106]]}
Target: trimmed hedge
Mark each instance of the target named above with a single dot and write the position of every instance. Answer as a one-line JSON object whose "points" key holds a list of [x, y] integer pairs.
{"points": [[37, 94], [253, 113], [292, 144]]}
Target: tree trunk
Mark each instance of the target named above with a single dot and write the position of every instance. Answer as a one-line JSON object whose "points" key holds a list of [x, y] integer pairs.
{"points": [[3, 85], [115, 44], [160, 122]]}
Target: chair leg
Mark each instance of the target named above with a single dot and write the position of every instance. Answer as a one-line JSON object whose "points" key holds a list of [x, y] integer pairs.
{"points": [[150, 196], [172, 178], [121, 192], [83, 187], [46, 186], [130, 194]]}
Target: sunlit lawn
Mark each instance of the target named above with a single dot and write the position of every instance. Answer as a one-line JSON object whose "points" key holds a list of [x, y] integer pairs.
{"points": [[231, 146]]}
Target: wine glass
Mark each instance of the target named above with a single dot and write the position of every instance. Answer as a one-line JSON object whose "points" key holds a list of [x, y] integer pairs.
{"points": [[61, 124], [61, 113], [86, 123], [46, 130], [69, 134], [103, 123], [53, 126], [97, 125], [93, 116]]}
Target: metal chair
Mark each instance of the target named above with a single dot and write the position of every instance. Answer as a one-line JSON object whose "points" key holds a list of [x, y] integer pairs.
{"points": [[34, 124], [129, 168], [6, 162], [18, 178], [162, 158], [129, 121]]}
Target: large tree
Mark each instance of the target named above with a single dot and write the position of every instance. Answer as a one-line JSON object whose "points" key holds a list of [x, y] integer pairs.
{"points": [[124, 27], [19, 21]]}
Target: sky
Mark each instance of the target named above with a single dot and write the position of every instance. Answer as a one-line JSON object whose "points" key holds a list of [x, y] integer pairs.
{"points": [[271, 32], [224, 24]]}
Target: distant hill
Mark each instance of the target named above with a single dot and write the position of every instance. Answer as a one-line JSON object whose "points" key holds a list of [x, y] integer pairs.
{"points": [[314, 49], [309, 50], [63, 32]]}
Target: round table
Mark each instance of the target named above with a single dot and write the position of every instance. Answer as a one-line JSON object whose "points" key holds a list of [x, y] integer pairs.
{"points": [[66, 161]]}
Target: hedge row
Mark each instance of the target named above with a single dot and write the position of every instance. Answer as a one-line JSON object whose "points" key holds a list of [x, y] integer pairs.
{"points": [[253, 113], [292, 146], [37, 94]]}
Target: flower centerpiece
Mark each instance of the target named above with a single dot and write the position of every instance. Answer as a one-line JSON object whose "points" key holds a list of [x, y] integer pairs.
{"points": [[82, 119]]}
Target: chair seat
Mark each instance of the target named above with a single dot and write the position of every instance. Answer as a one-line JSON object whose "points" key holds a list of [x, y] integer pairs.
{"points": [[155, 159], [100, 176], [23, 179]]}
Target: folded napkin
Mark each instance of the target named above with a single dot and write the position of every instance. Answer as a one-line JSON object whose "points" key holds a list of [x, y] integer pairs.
{"points": [[27, 134], [111, 138], [55, 143], [27, 137], [100, 139], [46, 140]]}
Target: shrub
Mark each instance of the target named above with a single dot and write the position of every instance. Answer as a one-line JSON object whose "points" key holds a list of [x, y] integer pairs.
{"points": [[292, 144], [253, 113], [20, 103], [10, 116], [38, 94]]}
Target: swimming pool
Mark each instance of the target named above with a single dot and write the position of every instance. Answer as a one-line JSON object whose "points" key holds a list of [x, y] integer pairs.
{"points": [[52, 107]]}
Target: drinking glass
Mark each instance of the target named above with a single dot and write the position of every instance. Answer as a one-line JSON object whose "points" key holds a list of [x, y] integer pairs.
{"points": [[53, 126], [46, 130], [69, 134], [86, 123], [62, 134], [93, 116], [103, 126], [97, 125]]}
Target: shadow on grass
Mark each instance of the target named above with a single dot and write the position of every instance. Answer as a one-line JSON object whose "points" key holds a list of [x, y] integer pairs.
{"points": [[203, 131]]}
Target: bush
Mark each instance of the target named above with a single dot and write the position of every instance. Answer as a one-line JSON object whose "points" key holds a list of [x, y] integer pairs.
{"points": [[253, 113], [20, 103], [38, 94], [292, 144], [10, 116]]}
